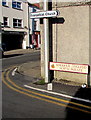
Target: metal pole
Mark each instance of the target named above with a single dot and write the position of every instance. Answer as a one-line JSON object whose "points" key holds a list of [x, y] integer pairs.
{"points": [[46, 38], [28, 27]]}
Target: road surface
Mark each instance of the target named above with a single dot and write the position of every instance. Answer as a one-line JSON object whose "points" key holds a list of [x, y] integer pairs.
{"points": [[21, 102]]}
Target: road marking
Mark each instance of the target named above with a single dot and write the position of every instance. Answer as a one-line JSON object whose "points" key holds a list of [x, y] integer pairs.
{"points": [[13, 72], [47, 92], [63, 95], [66, 101], [42, 95], [50, 101]]}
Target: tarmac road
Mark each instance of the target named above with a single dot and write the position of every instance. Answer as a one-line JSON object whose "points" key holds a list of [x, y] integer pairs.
{"points": [[18, 102], [18, 57], [18, 105], [21, 102]]}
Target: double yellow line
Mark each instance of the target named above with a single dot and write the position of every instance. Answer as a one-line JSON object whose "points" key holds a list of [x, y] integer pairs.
{"points": [[58, 101]]}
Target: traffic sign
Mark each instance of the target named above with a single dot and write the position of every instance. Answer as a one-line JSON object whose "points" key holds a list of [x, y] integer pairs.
{"points": [[44, 14]]}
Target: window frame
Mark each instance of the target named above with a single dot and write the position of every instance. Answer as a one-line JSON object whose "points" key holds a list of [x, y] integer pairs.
{"points": [[6, 22], [16, 5], [4, 2], [18, 22]]}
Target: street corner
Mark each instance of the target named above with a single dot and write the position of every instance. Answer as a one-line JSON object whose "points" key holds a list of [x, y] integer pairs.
{"points": [[31, 69]]}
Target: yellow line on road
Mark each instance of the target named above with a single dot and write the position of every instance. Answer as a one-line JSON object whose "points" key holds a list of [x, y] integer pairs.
{"points": [[19, 91], [65, 101], [42, 95]]}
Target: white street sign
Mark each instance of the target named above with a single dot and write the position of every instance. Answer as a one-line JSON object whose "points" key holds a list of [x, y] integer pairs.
{"points": [[69, 67], [44, 14]]}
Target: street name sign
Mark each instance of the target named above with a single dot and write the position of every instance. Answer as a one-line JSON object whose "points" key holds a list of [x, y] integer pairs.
{"points": [[44, 14], [69, 67]]}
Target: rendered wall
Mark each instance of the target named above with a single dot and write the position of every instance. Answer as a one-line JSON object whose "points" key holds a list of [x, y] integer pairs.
{"points": [[90, 41], [71, 40], [18, 14]]}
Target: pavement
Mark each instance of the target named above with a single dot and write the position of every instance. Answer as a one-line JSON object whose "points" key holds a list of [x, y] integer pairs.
{"points": [[33, 69]]}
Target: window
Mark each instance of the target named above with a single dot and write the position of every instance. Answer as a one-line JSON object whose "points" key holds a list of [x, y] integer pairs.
{"points": [[34, 25], [17, 23], [5, 21], [16, 4], [5, 2]]}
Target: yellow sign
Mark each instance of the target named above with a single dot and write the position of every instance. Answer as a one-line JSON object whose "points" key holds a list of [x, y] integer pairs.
{"points": [[68, 67]]}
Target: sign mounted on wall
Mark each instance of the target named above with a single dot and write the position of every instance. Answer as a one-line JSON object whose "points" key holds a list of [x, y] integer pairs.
{"points": [[44, 14], [69, 67]]}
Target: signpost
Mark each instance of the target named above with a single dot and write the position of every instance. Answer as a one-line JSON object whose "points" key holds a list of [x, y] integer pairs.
{"points": [[65, 67], [46, 38], [45, 15]]}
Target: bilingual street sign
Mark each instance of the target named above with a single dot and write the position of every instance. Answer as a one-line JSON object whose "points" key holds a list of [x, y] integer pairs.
{"points": [[69, 67], [44, 14]]}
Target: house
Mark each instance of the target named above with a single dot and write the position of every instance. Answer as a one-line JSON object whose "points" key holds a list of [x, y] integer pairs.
{"points": [[34, 26], [16, 28]]}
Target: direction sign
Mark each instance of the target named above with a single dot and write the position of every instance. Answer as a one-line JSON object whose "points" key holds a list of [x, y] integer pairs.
{"points": [[44, 14]]}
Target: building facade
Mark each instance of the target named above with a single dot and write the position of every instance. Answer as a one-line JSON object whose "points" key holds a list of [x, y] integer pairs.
{"points": [[16, 24], [71, 39], [35, 27], [15, 32]]}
